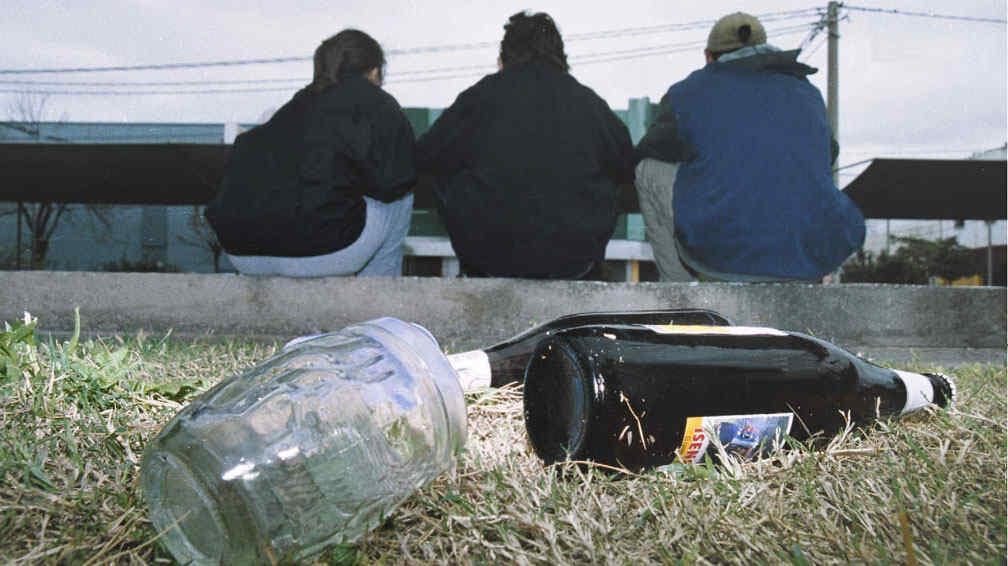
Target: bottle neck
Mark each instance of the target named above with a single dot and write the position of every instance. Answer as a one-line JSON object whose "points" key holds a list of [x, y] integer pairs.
{"points": [[418, 348], [919, 391], [473, 369]]}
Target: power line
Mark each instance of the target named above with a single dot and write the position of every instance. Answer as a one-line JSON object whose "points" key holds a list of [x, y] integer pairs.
{"points": [[881, 155], [201, 82], [602, 34], [416, 76], [153, 83], [809, 55], [424, 75], [884, 154], [925, 14], [855, 164], [688, 44], [698, 24], [154, 67], [145, 93], [823, 22], [664, 50]]}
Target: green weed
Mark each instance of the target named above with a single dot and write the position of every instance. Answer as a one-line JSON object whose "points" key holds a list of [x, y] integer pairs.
{"points": [[76, 415]]}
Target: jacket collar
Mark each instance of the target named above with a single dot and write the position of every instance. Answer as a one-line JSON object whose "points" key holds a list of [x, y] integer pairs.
{"points": [[772, 61]]}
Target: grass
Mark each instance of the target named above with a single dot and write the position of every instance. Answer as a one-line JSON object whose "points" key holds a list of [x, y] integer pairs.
{"points": [[928, 489]]}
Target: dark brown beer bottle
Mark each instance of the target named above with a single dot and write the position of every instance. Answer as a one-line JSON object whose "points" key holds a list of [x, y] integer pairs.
{"points": [[638, 396], [505, 362]]}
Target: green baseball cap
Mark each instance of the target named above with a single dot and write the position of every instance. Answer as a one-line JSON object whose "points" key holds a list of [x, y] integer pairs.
{"points": [[735, 31]]}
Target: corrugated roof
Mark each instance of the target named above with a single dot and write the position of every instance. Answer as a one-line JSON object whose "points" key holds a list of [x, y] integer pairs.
{"points": [[932, 189]]}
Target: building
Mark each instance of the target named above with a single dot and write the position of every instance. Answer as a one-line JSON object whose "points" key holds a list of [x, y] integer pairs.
{"points": [[165, 237], [969, 233]]}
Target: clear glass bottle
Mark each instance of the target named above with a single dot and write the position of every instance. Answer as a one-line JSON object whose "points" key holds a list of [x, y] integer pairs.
{"points": [[313, 447]]}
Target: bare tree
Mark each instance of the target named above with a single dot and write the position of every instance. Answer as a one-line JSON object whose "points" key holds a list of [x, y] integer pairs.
{"points": [[203, 235], [28, 111]]}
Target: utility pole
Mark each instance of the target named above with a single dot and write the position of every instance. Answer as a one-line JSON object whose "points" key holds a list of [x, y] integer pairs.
{"points": [[831, 75], [20, 211], [831, 96], [990, 255]]}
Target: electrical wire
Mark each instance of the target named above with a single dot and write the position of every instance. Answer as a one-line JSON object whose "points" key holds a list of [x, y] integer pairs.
{"points": [[970, 150], [855, 164], [436, 74], [808, 55], [925, 14], [414, 76], [154, 67], [145, 93], [689, 44], [823, 22], [888, 154], [602, 34], [201, 82], [698, 24], [155, 83]]}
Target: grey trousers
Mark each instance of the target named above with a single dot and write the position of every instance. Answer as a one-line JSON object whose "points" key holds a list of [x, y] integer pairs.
{"points": [[655, 180], [377, 251]]}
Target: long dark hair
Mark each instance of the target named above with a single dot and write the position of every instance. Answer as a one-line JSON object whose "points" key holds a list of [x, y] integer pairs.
{"points": [[348, 52], [532, 37]]}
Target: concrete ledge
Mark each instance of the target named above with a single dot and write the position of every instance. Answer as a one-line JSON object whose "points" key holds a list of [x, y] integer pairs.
{"points": [[440, 246], [947, 325]]}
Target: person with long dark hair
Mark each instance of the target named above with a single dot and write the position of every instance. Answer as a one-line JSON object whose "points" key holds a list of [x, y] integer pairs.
{"points": [[325, 186], [527, 163]]}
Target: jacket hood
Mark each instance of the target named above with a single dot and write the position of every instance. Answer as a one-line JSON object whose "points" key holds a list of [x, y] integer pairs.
{"points": [[775, 62]]}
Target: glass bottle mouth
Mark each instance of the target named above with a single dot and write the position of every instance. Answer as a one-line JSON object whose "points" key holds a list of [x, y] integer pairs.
{"points": [[183, 511], [558, 401]]}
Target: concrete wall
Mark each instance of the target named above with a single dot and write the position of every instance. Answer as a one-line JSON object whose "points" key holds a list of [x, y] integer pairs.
{"points": [[947, 325]]}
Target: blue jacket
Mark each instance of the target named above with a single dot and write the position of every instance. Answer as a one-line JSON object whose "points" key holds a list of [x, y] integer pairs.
{"points": [[754, 193]]}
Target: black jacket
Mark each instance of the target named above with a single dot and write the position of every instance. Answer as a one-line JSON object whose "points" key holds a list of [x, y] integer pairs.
{"points": [[293, 186], [527, 162]]}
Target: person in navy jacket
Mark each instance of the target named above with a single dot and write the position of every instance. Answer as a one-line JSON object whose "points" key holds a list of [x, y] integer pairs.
{"points": [[735, 178]]}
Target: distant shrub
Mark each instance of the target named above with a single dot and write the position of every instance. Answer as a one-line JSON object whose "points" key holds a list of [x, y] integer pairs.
{"points": [[915, 261], [141, 266]]}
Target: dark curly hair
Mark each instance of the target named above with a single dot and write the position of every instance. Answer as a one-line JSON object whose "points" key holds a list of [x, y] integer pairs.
{"points": [[530, 38], [350, 51]]}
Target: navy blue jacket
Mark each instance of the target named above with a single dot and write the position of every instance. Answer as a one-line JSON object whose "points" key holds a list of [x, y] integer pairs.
{"points": [[754, 193]]}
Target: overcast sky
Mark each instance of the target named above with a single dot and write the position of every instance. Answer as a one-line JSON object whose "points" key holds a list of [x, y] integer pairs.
{"points": [[909, 86]]}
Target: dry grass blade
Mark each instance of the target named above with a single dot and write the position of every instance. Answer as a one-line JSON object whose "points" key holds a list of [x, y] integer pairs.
{"points": [[930, 488]]}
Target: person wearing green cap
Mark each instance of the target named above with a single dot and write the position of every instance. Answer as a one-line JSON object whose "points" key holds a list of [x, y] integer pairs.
{"points": [[734, 177]]}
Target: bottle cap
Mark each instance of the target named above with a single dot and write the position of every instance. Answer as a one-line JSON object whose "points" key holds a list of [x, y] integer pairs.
{"points": [[944, 389]]}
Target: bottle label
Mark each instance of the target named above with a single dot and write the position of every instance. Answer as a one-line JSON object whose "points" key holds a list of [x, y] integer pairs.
{"points": [[472, 368], [704, 329], [742, 436], [920, 392]]}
